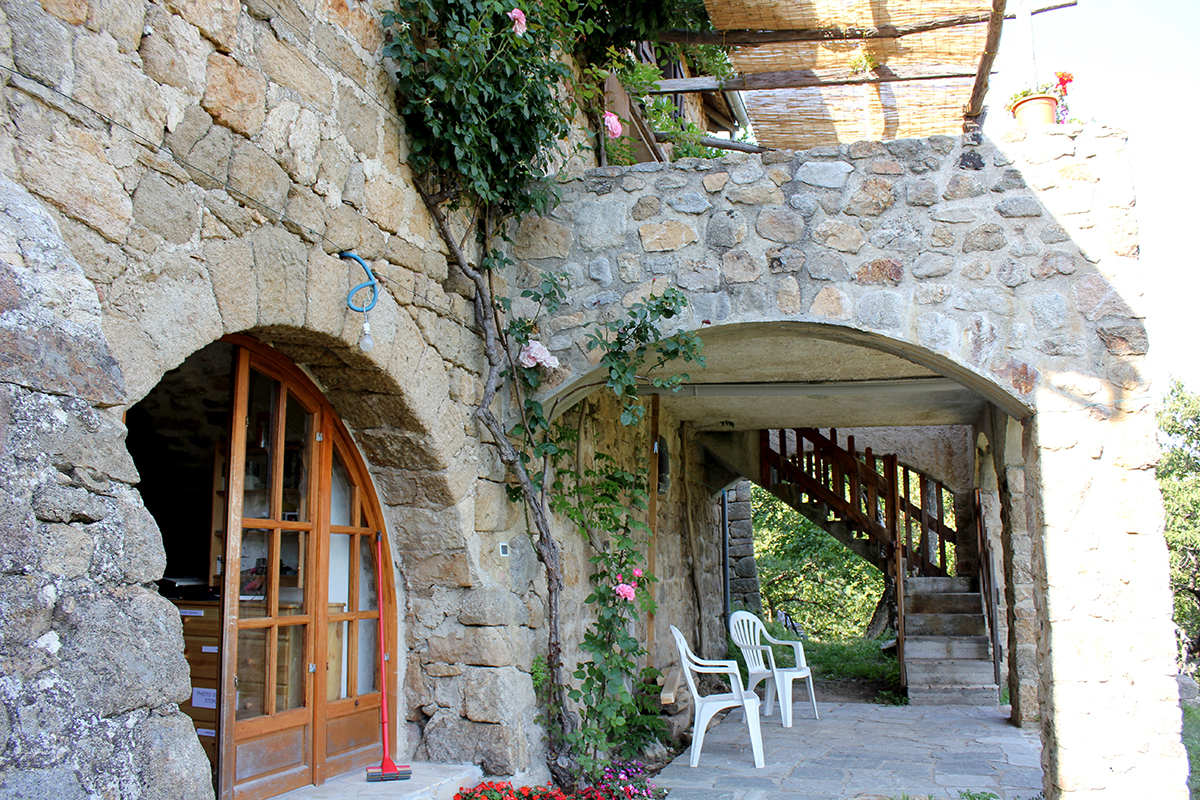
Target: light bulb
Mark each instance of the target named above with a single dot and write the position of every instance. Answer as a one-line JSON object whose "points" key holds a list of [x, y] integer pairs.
{"points": [[366, 343]]}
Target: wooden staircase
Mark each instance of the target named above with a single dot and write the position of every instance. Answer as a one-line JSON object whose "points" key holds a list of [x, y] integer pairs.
{"points": [[947, 651], [893, 516]]}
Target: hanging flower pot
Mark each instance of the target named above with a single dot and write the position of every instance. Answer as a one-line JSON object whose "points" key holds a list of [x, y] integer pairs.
{"points": [[1035, 110]]}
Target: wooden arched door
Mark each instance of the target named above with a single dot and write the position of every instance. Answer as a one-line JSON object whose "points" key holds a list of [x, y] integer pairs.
{"points": [[300, 646]]}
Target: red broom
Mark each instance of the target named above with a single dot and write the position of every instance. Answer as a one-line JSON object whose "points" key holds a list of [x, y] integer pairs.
{"points": [[386, 771]]}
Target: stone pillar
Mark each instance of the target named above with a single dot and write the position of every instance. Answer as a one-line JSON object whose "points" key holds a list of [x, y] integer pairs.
{"points": [[1105, 642], [743, 573], [1019, 589], [988, 481]]}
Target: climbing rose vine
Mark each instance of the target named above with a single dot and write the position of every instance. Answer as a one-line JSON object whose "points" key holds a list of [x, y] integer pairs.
{"points": [[612, 124]]}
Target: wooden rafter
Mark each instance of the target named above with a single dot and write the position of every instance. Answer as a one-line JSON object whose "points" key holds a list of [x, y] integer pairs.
{"points": [[753, 37], [990, 49], [715, 142], [805, 78]]}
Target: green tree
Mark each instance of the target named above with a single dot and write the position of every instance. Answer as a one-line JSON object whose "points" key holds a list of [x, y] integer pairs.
{"points": [[1179, 479], [828, 590]]}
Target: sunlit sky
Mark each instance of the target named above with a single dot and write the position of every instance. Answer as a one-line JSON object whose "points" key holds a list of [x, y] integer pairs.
{"points": [[1133, 67]]}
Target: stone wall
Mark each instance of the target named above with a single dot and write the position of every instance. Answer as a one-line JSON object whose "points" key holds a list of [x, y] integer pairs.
{"points": [[203, 163], [946, 244], [91, 662]]}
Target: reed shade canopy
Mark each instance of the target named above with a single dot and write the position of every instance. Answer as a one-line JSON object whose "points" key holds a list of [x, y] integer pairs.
{"points": [[886, 108]]}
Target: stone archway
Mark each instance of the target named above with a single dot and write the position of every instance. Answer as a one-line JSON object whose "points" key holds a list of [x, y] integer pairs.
{"points": [[83, 546], [1007, 265]]}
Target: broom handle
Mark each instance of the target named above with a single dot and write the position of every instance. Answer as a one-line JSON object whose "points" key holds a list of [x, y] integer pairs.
{"points": [[383, 713]]}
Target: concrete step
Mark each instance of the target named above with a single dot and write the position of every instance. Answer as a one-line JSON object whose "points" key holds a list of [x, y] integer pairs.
{"points": [[937, 585], [943, 603], [429, 782], [985, 695], [949, 671], [953, 647], [945, 625]]}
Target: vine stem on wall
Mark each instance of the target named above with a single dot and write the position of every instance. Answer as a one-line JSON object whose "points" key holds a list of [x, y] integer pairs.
{"points": [[548, 550]]}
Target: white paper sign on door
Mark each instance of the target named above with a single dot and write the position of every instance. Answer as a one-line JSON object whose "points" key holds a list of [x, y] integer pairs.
{"points": [[204, 698]]}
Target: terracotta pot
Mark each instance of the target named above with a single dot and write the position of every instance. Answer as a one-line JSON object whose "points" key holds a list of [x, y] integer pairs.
{"points": [[1036, 110]]}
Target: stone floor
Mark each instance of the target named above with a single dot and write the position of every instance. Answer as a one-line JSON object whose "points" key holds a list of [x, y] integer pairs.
{"points": [[856, 750], [860, 750]]}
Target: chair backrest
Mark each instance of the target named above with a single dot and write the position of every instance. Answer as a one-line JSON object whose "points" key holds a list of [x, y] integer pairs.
{"points": [[746, 630], [686, 660]]}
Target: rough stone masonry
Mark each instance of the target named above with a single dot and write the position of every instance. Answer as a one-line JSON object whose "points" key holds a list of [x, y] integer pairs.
{"points": [[180, 170]]}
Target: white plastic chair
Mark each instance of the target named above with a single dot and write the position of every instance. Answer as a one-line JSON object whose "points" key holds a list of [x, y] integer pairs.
{"points": [[748, 634], [709, 705]]}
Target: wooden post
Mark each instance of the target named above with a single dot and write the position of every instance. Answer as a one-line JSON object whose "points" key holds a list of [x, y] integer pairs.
{"points": [[872, 498], [924, 526], [891, 501], [652, 512], [764, 467], [898, 588], [907, 495], [941, 527]]}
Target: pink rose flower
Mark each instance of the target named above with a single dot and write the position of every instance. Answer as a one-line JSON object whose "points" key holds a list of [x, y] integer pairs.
{"points": [[637, 573], [518, 18], [624, 590], [536, 353], [613, 123]]}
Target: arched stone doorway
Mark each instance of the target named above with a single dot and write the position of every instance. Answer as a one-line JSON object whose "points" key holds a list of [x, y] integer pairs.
{"points": [[286, 683], [892, 396]]}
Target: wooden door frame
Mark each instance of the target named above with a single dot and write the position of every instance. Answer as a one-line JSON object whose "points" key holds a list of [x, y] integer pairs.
{"points": [[328, 428]]}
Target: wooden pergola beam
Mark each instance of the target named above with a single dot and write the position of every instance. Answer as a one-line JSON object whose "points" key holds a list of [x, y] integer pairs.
{"points": [[753, 37], [715, 142], [990, 49], [805, 78]]}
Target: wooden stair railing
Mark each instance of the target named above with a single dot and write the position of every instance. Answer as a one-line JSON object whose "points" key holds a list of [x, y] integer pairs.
{"points": [[896, 506], [831, 476], [891, 503]]}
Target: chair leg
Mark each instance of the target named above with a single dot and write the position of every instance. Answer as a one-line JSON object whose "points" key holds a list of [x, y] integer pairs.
{"points": [[812, 697], [785, 700], [755, 736], [770, 704], [703, 717]]}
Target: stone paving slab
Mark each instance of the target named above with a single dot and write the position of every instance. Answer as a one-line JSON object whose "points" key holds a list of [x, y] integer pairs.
{"points": [[861, 750]]}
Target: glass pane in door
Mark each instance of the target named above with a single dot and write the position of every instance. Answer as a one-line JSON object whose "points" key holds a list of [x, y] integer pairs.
{"points": [[341, 494], [368, 596], [251, 672], [339, 572], [290, 668], [368, 656], [339, 661], [260, 437], [297, 433], [256, 577], [293, 557]]}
